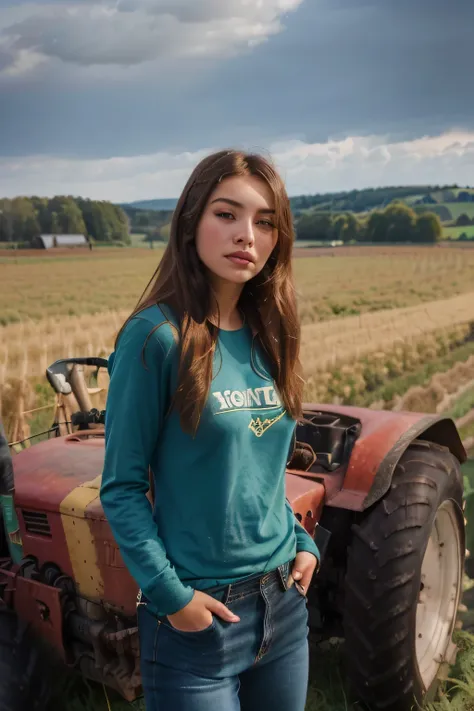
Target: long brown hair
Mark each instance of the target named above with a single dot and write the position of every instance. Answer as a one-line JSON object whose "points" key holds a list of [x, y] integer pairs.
{"points": [[268, 300]]}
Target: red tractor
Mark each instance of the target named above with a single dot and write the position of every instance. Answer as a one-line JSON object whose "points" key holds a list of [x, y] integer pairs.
{"points": [[380, 491]]}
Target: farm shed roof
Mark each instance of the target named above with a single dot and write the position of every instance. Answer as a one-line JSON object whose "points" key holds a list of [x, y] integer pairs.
{"points": [[62, 240]]}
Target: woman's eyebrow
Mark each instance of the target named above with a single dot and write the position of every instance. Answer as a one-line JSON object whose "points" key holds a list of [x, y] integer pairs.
{"points": [[234, 203]]}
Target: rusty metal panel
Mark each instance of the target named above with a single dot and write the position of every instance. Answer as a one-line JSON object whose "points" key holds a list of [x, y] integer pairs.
{"points": [[47, 473], [81, 544], [47, 549], [40, 605], [307, 499], [120, 589]]}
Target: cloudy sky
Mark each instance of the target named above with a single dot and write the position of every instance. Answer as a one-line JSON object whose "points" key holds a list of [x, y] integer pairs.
{"points": [[119, 99]]}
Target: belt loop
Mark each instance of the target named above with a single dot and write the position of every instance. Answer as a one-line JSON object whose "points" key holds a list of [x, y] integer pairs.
{"points": [[283, 571]]}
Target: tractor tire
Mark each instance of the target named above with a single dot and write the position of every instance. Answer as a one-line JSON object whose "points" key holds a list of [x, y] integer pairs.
{"points": [[23, 684], [404, 581]]}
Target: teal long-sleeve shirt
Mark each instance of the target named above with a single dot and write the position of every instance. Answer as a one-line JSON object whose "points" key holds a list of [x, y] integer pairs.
{"points": [[220, 512]]}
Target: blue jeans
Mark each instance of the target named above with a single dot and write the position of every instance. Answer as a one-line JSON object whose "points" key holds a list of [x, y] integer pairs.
{"points": [[258, 663]]}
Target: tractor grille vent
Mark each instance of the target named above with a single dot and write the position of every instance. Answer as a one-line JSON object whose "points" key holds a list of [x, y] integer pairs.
{"points": [[37, 523]]}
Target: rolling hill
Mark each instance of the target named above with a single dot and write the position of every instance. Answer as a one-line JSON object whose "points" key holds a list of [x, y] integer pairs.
{"points": [[155, 205]]}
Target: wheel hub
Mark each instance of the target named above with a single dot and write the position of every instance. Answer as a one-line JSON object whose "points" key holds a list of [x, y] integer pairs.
{"points": [[440, 589]]}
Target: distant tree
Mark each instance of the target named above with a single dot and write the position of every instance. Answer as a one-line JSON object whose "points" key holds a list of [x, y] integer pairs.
{"points": [[70, 218], [25, 225], [376, 227], [316, 226], [428, 228], [339, 227], [401, 221], [105, 222], [352, 229], [463, 220], [55, 226], [464, 196], [397, 223], [346, 227], [43, 213], [6, 221], [147, 220]]}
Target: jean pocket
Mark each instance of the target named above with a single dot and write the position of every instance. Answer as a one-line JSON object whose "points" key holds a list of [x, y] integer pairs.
{"points": [[299, 590], [197, 633]]}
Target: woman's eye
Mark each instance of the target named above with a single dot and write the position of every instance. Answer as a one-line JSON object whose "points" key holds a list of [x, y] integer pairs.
{"points": [[266, 223], [225, 215]]}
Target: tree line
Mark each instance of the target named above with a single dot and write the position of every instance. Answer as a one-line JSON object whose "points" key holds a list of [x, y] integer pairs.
{"points": [[361, 200], [150, 223], [395, 223], [23, 219]]}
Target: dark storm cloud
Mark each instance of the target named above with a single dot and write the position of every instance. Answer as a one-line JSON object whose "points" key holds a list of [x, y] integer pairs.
{"points": [[338, 68], [398, 67]]}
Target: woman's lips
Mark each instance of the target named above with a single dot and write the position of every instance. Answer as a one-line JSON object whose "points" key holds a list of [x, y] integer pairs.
{"points": [[240, 261]]}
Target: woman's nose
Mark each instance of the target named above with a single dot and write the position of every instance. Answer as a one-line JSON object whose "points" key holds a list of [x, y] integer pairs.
{"points": [[244, 235]]}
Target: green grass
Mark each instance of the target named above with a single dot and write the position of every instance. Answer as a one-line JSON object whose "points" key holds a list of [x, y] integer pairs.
{"points": [[419, 377], [456, 191], [463, 405], [459, 208], [456, 232], [468, 468], [412, 199]]}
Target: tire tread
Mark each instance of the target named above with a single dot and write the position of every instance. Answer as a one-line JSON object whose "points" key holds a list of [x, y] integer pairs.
{"points": [[382, 579]]}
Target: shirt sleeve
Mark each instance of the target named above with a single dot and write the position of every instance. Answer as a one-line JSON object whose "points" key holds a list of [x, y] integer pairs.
{"points": [[304, 542], [137, 403]]}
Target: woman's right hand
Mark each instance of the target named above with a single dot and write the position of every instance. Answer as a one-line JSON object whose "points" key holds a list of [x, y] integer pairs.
{"points": [[198, 614]]}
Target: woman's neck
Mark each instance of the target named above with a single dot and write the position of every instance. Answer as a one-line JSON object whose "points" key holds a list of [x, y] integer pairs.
{"points": [[227, 314]]}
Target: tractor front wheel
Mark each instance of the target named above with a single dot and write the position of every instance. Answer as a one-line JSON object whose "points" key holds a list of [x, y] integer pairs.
{"points": [[404, 582], [23, 684]]}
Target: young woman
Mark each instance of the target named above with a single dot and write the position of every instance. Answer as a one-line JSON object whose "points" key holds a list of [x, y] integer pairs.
{"points": [[204, 392]]}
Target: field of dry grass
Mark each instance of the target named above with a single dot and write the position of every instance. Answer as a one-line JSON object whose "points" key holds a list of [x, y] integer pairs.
{"points": [[367, 314], [356, 281], [342, 357]]}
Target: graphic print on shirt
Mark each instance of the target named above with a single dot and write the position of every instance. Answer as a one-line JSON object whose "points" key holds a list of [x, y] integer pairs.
{"points": [[264, 399]]}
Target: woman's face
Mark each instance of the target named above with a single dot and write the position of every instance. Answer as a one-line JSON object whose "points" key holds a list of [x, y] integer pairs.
{"points": [[236, 234]]}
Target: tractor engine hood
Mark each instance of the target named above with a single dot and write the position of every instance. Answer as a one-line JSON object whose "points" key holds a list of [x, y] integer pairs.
{"points": [[48, 472]]}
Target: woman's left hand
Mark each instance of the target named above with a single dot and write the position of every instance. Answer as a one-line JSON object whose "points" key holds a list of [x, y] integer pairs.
{"points": [[303, 569]]}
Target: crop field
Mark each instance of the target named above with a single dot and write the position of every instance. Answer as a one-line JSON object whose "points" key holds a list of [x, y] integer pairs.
{"points": [[387, 328], [407, 301], [358, 280]]}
